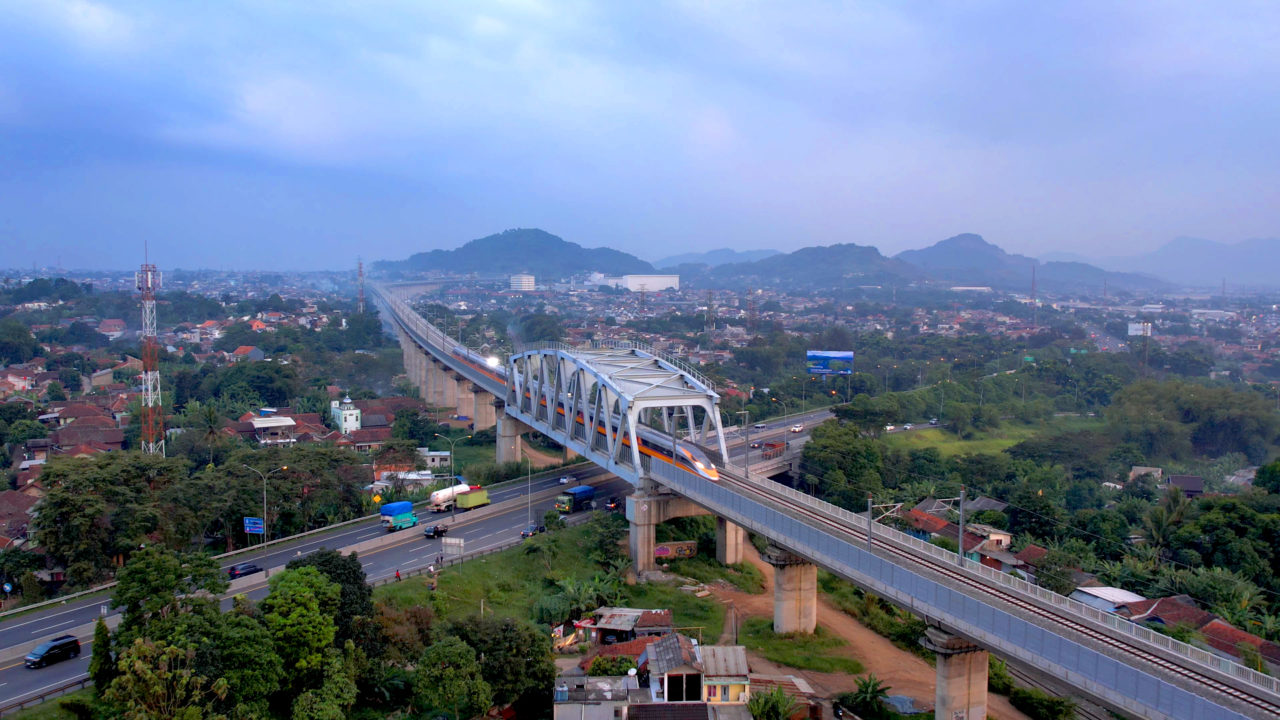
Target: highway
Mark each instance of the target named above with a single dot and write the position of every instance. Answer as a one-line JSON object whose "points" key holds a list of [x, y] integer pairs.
{"points": [[25, 631]]}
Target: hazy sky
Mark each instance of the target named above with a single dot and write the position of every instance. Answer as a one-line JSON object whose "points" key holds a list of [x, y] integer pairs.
{"points": [[304, 134]]}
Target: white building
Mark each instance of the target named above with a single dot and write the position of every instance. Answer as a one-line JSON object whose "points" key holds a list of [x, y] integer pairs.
{"points": [[345, 415], [639, 283], [522, 281]]}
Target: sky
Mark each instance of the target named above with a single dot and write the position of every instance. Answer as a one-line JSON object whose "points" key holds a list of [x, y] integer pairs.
{"points": [[307, 134]]}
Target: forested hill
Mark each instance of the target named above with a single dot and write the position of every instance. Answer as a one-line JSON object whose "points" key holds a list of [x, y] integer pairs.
{"points": [[521, 250], [968, 259], [816, 267]]}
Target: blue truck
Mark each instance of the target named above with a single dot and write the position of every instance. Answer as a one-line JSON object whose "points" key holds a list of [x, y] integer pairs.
{"points": [[575, 499], [398, 515]]}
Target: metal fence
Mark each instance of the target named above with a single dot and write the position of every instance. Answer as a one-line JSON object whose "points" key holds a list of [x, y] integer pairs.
{"points": [[1123, 684], [72, 686]]}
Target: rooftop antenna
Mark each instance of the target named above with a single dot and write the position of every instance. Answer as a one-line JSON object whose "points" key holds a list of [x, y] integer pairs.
{"points": [[147, 280]]}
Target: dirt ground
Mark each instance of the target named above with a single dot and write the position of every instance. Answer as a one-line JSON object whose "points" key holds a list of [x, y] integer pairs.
{"points": [[903, 672]]}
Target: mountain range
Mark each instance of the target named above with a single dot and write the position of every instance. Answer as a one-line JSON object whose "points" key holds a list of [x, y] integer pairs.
{"points": [[714, 258], [1202, 263], [965, 259]]}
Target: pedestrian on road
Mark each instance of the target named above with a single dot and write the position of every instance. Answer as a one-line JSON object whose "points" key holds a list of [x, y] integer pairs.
{"points": [[397, 575]]}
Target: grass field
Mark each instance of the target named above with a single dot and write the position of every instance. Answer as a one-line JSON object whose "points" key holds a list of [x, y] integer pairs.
{"points": [[818, 652], [994, 441], [510, 581], [52, 710]]}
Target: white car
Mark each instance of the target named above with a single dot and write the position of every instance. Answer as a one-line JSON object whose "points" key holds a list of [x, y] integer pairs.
{"points": [[759, 426], [564, 481], [890, 428], [908, 426], [797, 428]]}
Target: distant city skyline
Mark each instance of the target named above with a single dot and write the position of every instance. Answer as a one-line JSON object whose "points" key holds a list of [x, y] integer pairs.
{"points": [[300, 136]]}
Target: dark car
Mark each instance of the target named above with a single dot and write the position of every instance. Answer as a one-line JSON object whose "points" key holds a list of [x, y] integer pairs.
{"points": [[755, 443], [434, 531], [532, 529], [62, 647], [242, 569], [613, 503]]}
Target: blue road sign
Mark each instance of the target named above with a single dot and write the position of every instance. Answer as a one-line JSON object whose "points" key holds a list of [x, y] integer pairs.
{"points": [[8, 587], [253, 526]]}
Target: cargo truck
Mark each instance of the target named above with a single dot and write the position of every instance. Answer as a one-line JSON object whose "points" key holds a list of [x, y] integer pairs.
{"points": [[398, 515], [442, 500], [772, 450], [472, 499], [575, 499]]}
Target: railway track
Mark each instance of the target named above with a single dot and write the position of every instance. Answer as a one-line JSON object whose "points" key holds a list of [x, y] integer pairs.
{"points": [[955, 575]]}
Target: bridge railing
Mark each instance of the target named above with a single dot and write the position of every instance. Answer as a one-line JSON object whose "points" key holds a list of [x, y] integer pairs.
{"points": [[1114, 622]]}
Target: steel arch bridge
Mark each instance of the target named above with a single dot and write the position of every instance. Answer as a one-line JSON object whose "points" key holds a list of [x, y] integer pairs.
{"points": [[602, 402]]}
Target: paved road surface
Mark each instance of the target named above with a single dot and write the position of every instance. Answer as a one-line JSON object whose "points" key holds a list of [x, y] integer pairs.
{"points": [[18, 682]]}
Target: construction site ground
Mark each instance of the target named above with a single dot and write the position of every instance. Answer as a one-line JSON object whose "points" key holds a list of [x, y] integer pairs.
{"points": [[904, 673]]}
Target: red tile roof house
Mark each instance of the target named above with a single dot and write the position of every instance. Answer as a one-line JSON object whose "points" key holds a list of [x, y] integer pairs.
{"points": [[1220, 636]]}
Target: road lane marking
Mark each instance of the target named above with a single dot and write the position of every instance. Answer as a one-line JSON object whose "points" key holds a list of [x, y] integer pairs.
{"points": [[46, 629], [43, 618], [38, 690]]}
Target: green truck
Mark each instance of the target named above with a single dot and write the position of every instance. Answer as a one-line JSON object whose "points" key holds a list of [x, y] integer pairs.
{"points": [[472, 499], [398, 515]]}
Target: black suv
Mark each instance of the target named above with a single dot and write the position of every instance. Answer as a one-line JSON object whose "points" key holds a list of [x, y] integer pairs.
{"points": [[434, 531], [532, 529], [62, 647], [613, 504], [239, 571]]}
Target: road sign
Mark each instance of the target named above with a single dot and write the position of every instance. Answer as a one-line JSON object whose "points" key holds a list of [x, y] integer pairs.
{"points": [[377, 498], [8, 587], [452, 547], [253, 526]]}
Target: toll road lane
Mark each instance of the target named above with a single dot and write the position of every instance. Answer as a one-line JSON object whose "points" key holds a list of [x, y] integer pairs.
{"points": [[28, 629], [18, 682]]}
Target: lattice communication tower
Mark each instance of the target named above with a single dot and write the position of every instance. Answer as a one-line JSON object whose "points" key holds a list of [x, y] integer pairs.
{"points": [[148, 280]]}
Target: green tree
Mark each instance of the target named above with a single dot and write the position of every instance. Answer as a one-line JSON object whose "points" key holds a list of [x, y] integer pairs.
{"points": [[609, 666], [102, 664], [336, 693], [17, 345], [448, 679], [356, 597], [158, 583], [235, 646], [868, 697], [156, 682], [1268, 477], [298, 613], [772, 705], [515, 657]]}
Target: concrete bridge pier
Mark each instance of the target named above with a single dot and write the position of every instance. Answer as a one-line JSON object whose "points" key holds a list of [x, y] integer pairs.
{"points": [[435, 383], [484, 416], [961, 692], [647, 507], [795, 591], [509, 430], [447, 395], [729, 539], [464, 399]]}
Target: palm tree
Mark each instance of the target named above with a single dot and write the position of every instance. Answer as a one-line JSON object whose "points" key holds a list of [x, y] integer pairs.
{"points": [[772, 705], [868, 698]]}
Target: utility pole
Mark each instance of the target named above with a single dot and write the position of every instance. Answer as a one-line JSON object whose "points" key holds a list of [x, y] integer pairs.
{"points": [[961, 538], [147, 280]]}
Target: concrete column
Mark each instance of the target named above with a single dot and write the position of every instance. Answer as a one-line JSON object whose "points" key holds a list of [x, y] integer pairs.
{"points": [[449, 388], [645, 512], [424, 369], [795, 591], [729, 539], [483, 415], [961, 692], [465, 400], [509, 430]]}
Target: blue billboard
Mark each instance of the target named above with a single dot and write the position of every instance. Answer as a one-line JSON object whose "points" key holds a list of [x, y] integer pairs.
{"points": [[830, 362]]}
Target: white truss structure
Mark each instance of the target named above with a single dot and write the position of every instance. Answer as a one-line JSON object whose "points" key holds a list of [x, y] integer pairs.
{"points": [[622, 389]]}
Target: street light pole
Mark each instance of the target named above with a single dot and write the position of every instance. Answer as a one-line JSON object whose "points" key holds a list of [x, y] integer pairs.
{"points": [[264, 494], [784, 405], [452, 469]]}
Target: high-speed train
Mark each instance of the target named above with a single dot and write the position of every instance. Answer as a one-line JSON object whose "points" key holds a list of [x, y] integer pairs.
{"points": [[653, 444]]}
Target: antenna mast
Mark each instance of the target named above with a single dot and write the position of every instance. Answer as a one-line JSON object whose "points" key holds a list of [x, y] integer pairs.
{"points": [[147, 280], [360, 278]]}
